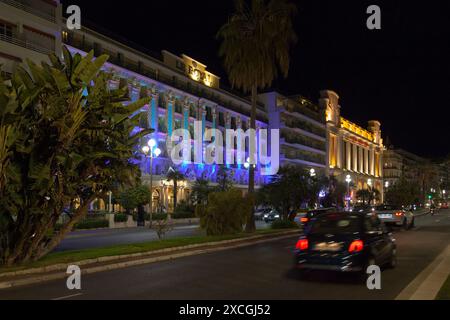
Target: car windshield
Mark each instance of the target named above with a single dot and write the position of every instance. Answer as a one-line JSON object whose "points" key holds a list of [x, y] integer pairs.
{"points": [[388, 208], [335, 224]]}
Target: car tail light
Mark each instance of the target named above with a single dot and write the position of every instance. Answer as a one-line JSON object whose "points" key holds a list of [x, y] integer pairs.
{"points": [[302, 244], [399, 214], [356, 246], [304, 220]]}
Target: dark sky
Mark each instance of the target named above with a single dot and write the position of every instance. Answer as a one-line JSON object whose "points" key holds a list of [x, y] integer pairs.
{"points": [[398, 75]]}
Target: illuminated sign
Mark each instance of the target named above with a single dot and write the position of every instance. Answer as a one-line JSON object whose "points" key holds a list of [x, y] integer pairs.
{"points": [[197, 71], [192, 68]]}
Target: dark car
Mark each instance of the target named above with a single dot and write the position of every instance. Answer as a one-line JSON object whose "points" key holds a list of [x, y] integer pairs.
{"points": [[271, 216], [345, 242], [362, 209], [307, 217]]}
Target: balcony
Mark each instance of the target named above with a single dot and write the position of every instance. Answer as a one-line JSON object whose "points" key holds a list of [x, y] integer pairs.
{"points": [[25, 44], [27, 6]]}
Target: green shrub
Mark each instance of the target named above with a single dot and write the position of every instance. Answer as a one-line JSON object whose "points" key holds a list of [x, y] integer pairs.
{"points": [[91, 224], [284, 224], [96, 215], [120, 217], [183, 215], [225, 213]]}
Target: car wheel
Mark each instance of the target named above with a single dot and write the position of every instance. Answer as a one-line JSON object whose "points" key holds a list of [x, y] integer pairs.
{"points": [[393, 261], [405, 224], [363, 273], [412, 224]]}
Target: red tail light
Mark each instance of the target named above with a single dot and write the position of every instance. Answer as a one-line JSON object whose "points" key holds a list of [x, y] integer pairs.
{"points": [[304, 220], [302, 244], [356, 246], [399, 214]]}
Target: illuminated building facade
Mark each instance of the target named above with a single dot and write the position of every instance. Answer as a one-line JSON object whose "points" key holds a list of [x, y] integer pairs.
{"points": [[352, 150], [182, 91], [303, 133]]}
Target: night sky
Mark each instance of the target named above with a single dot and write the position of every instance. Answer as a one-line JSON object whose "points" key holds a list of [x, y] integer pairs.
{"points": [[398, 75]]}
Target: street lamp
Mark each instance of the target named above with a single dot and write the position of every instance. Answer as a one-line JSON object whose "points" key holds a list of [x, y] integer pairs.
{"points": [[348, 179], [312, 172], [247, 164], [369, 183], [151, 152]]}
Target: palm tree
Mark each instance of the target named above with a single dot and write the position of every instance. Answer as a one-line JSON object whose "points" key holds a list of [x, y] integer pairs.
{"points": [[255, 46], [175, 176]]}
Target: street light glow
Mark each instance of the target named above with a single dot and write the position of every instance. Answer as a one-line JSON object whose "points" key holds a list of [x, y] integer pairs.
{"points": [[145, 149], [348, 179], [312, 172], [157, 152], [151, 143]]}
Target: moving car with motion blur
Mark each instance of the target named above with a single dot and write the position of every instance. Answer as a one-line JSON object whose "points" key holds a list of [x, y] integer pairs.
{"points": [[363, 208], [305, 218], [345, 242], [395, 216]]}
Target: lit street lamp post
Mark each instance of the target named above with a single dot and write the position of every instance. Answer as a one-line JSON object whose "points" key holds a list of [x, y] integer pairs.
{"points": [[386, 187], [348, 179], [151, 152]]}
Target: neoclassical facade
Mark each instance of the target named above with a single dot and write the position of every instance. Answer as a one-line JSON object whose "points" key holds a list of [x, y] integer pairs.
{"points": [[352, 150]]}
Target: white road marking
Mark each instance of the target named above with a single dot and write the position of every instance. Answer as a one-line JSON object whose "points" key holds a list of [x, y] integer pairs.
{"points": [[68, 297]]}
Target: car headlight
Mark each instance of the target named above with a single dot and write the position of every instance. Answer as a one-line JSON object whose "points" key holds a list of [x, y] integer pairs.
{"points": [[266, 216], [277, 216]]}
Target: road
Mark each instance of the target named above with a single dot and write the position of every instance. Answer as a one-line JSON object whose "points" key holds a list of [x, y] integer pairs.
{"points": [[86, 239], [262, 271]]}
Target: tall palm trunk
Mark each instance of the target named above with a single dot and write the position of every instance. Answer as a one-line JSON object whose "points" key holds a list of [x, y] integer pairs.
{"points": [[250, 226], [175, 191]]}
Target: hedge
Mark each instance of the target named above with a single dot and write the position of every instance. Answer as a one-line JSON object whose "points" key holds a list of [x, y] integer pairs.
{"points": [[92, 224], [120, 217], [283, 224]]}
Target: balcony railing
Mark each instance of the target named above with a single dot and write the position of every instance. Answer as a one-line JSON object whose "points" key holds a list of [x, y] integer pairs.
{"points": [[25, 44], [22, 5]]}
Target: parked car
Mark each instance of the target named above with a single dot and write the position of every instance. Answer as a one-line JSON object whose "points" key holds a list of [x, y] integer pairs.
{"points": [[395, 215], [345, 242], [444, 205], [271, 216], [303, 219], [259, 213], [362, 208]]}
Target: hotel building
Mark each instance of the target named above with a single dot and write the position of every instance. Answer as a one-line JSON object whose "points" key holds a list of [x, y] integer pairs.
{"points": [[303, 133], [29, 29], [352, 150]]}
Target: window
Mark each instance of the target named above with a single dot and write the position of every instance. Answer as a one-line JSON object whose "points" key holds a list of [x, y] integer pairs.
{"points": [[5, 29]]}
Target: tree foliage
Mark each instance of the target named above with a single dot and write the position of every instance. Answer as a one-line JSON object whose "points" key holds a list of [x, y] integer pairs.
{"points": [[66, 138], [225, 213], [135, 197], [290, 189], [403, 192]]}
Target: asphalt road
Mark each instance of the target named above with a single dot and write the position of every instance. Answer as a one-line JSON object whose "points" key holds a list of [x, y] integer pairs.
{"points": [[262, 271], [86, 239]]}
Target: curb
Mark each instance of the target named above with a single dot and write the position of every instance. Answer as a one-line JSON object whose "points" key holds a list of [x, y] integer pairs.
{"points": [[60, 269]]}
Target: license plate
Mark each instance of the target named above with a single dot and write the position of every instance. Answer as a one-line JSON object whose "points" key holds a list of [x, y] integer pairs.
{"points": [[385, 216], [324, 246]]}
